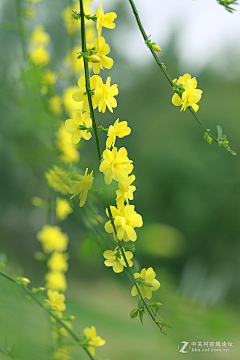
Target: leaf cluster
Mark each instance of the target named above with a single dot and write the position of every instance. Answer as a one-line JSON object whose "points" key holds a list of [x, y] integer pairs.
{"points": [[226, 4]]}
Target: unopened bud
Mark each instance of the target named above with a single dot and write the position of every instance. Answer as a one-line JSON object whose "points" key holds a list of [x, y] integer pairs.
{"points": [[94, 59], [156, 47], [26, 280]]}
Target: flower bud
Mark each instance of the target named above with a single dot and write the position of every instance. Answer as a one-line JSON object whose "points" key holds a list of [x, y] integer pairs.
{"points": [[26, 280], [156, 47], [94, 59]]}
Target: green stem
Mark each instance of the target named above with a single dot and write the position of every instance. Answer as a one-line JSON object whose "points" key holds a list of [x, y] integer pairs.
{"points": [[29, 292], [83, 38], [135, 12]]}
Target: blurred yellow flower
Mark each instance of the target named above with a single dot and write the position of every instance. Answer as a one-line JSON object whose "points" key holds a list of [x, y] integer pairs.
{"points": [[39, 36], [82, 187], [39, 55], [55, 104], [69, 152], [56, 281], [69, 104], [63, 208], [58, 262], [58, 179], [56, 301], [52, 239]]}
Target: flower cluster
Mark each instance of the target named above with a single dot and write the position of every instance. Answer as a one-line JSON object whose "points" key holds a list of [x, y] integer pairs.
{"points": [[38, 52], [190, 96]]}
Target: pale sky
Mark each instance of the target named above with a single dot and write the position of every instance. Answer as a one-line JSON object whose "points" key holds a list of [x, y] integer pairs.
{"points": [[206, 30]]}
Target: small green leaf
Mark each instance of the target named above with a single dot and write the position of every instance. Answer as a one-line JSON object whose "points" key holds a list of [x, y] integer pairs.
{"points": [[2, 265], [141, 313], [134, 313], [166, 325]]}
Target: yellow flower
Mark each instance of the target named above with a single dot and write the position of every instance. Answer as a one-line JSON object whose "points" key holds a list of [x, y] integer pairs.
{"points": [[63, 208], [56, 281], [70, 24], [55, 103], [72, 60], [62, 354], [63, 331], [119, 129], [116, 262], [39, 55], [81, 96], [52, 239], [150, 283], [58, 179], [116, 165], [58, 262], [39, 36], [126, 222], [73, 126], [94, 340], [191, 96], [104, 20], [68, 102], [64, 143], [56, 301], [105, 95], [82, 187], [125, 191], [102, 49]]}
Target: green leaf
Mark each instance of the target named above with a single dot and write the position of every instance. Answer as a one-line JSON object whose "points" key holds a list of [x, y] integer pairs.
{"points": [[166, 325], [2, 265], [219, 130], [134, 313], [141, 313]]}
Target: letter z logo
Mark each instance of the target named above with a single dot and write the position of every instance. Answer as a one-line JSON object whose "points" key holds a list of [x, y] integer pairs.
{"points": [[181, 348]]}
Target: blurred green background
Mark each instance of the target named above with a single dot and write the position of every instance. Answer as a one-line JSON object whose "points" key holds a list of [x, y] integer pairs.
{"points": [[188, 193]]}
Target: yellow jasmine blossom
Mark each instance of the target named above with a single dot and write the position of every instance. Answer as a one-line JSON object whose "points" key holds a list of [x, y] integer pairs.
{"points": [[58, 179], [70, 24], [108, 226], [56, 280], [104, 20], [94, 340], [81, 96], [62, 354], [102, 49], [58, 262], [49, 77], [105, 94], [69, 104], [116, 262], [126, 222], [64, 143], [55, 104], [63, 208], [63, 331], [56, 301], [125, 190], [34, 1], [151, 283], [39, 55], [73, 126], [190, 96], [39, 36], [119, 129], [52, 239], [82, 187], [116, 165]]}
